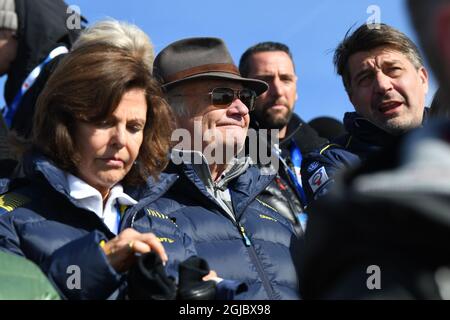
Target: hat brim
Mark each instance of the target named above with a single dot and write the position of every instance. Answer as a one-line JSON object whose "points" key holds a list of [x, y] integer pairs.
{"points": [[256, 85]]}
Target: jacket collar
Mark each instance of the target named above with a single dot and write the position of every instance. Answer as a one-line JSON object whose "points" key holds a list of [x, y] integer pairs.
{"points": [[305, 137], [245, 182], [236, 167], [151, 191], [247, 187], [366, 131], [153, 188], [294, 125], [36, 164], [195, 166]]}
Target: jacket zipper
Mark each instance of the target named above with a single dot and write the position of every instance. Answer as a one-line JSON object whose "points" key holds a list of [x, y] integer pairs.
{"points": [[250, 248], [256, 262], [247, 241], [254, 256]]}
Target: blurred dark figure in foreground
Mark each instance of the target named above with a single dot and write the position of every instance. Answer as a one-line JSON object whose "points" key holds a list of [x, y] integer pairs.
{"points": [[327, 127], [439, 107], [21, 279]]}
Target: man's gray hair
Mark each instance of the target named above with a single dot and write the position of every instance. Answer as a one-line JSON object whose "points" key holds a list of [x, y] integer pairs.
{"points": [[121, 35], [176, 101]]}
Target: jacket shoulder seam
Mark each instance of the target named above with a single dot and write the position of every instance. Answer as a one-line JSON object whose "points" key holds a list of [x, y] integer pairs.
{"points": [[328, 146]]}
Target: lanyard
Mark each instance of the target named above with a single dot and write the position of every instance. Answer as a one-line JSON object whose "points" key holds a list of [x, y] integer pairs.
{"points": [[118, 218], [10, 111], [296, 158], [120, 210]]}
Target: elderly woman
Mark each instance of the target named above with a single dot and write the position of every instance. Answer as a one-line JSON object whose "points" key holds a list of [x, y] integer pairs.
{"points": [[100, 129]]}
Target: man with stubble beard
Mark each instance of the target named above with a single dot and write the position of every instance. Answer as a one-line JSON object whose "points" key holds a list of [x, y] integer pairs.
{"points": [[386, 82], [272, 62]]}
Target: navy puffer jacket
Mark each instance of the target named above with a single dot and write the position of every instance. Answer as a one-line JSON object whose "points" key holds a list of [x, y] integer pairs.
{"points": [[363, 139], [259, 248], [42, 223]]}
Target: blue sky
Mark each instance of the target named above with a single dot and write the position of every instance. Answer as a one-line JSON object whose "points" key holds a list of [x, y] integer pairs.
{"points": [[312, 29]]}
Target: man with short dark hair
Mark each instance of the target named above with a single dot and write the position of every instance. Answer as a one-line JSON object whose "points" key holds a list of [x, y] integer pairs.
{"points": [[386, 82], [383, 232], [272, 62]]}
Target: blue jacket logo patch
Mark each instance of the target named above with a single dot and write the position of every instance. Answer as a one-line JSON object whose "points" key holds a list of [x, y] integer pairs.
{"points": [[318, 179], [313, 166]]}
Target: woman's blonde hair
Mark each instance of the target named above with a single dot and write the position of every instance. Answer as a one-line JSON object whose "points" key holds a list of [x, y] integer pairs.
{"points": [[121, 35]]}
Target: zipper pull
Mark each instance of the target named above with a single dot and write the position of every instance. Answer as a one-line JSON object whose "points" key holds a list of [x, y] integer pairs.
{"points": [[248, 243]]}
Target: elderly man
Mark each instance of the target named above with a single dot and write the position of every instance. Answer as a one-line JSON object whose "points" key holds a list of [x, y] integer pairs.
{"points": [[386, 82], [213, 198]]}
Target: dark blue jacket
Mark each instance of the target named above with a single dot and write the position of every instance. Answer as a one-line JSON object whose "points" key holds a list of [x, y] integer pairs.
{"points": [[362, 139], [42, 224], [259, 248], [43, 26]]}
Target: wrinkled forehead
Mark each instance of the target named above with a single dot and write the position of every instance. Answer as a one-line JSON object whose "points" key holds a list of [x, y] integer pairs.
{"points": [[376, 58], [269, 62], [206, 85]]}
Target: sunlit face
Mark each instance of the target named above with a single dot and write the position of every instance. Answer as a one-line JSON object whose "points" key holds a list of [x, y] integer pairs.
{"points": [[217, 127], [386, 89], [275, 106], [8, 50], [109, 149]]}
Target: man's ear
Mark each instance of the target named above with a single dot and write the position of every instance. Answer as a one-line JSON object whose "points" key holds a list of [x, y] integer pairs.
{"points": [[350, 96], [296, 91], [423, 74]]}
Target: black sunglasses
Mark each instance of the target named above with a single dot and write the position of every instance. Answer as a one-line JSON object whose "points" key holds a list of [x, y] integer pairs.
{"points": [[225, 96]]}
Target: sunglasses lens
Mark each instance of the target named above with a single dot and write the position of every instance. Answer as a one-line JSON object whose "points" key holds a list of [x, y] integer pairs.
{"points": [[248, 97], [225, 96], [222, 96]]}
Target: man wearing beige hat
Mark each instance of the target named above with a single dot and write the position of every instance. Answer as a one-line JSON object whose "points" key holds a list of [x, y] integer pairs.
{"points": [[213, 194]]}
